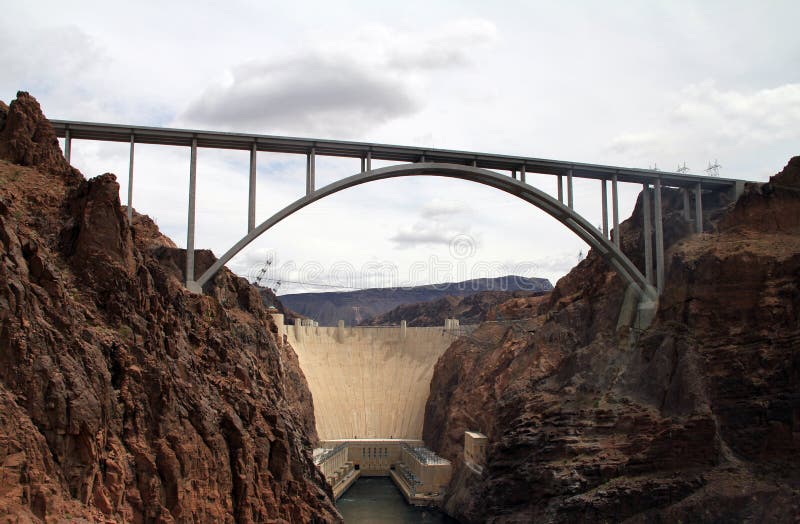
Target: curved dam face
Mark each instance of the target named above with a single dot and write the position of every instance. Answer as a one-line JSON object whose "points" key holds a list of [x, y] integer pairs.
{"points": [[369, 382]]}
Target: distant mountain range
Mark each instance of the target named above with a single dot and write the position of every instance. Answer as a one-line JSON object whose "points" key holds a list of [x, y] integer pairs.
{"points": [[355, 307]]}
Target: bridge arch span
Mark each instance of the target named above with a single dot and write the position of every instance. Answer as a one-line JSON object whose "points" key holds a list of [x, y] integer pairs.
{"points": [[567, 216]]}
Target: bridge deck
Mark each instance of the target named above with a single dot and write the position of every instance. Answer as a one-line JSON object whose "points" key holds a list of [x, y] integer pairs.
{"points": [[338, 148]]}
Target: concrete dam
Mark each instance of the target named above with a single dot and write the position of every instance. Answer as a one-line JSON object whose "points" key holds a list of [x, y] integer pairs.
{"points": [[370, 386], [369, 382]]}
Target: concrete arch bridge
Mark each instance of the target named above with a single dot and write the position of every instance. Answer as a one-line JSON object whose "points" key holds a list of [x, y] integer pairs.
{"points": [[505, 173]]}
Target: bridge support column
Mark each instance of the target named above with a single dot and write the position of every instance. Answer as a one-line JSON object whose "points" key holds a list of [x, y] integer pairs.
{"points": [[514, 174], [369, 160], [604, 196], [659, 239], [130, 183], [687, 211], [615, 210], [647, 232], [569, 189], [190, 283], [67, 145], [698, 208], [310, 161], [363, 165], [560, 189], [251, 202], [523, 174]]}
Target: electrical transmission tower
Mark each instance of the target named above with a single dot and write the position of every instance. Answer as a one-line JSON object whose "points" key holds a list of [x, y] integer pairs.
{"points": [[682, 169], [262, 273], [713, 170]]}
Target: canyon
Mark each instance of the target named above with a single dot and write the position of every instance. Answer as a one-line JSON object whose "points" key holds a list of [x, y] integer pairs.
{"points": [[126, 398]]}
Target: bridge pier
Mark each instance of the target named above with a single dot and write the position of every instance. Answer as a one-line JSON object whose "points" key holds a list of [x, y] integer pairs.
{"points": [[569, 189], [604, 197], [659, 239], [130, 182], [615, 210], [647, 233], [687, 212], [251, 201], [67, 145], [190, 283], [560, 189], [698, 208], [522, 174], [310, 165]]}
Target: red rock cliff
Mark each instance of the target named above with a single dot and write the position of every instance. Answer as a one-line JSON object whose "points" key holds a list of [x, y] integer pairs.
{"points": [[697, 420], [123, 397]]}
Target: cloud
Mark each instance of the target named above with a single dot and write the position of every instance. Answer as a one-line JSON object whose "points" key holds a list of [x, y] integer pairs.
{"points": [[43, 59], [450, 46], [311, 93], [339, 88], [440, 222], [759, 116], [438, 208], [420, 234], [704, 122]]}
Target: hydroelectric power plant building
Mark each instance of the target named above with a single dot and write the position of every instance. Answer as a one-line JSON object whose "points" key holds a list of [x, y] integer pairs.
{"points": [[370, 386]]}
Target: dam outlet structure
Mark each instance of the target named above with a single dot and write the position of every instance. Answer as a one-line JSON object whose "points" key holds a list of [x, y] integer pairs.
{"points": [[370, 386]]}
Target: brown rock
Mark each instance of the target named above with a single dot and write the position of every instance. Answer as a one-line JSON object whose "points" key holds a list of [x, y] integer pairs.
{"points": [[28, 139], [3, 114], [696, 420], [123, 397]]}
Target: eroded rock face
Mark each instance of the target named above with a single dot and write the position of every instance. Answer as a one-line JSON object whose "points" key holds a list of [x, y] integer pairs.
{"points": [[124, 397], [28, 139], [698, 420]]}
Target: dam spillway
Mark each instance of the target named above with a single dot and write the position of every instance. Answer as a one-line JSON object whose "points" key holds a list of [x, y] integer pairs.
{"points": [[369, 382]]}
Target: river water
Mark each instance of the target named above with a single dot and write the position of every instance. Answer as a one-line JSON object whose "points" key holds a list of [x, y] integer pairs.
{"points": [[377, 500]]}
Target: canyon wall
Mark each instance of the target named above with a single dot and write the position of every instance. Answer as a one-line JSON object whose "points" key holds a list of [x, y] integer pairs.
{"points": [[368, 382], [696, 419], [123, 397]]}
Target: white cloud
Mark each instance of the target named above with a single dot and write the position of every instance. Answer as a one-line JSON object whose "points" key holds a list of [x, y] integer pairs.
{"points": [[451, 45], [438, 208], [43, 59], [704, 122], [339, 88], [312, 93]]}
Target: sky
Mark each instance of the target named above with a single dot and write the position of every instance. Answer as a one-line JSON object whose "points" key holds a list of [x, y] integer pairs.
{"points": [[627, 83]]}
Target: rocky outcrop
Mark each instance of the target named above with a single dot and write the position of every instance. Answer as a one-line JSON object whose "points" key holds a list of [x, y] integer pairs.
{"points": [[123, 397], [697, 419], [471, 309], [28, 139]]}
